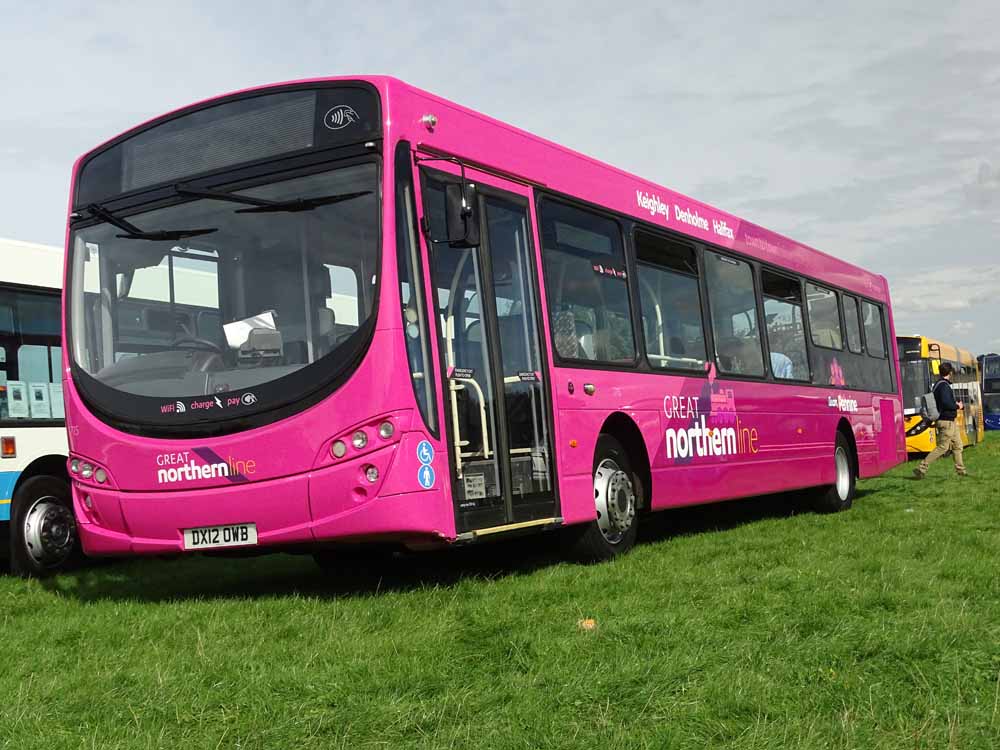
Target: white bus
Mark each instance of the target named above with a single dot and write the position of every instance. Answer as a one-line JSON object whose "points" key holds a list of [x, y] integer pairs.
{"points": [[37, 529]]}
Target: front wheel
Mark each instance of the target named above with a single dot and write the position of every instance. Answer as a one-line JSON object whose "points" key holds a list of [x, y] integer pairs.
{"points": [[616, 500], [43, 536], [839, 495]]}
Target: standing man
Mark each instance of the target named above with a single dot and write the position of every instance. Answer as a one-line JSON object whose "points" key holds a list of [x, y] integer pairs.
{"points": [[948, 436]]}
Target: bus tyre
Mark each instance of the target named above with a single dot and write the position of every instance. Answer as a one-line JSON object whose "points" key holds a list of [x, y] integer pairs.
{"points": [[616, 497], [43, 538], [839, 495]]}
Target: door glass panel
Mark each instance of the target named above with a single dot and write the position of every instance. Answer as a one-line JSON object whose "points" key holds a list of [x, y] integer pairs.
{"points": [[517, 323], [464, 341]]}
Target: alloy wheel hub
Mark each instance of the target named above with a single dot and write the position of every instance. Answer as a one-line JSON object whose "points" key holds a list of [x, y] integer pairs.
{"points": [[49, 531], [614, 497]]}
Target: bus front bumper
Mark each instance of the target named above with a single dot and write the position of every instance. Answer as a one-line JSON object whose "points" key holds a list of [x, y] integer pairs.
{"points": [[328, 505]]}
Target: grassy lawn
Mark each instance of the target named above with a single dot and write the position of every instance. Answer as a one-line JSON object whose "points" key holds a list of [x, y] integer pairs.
{"points": [[738, 626]]}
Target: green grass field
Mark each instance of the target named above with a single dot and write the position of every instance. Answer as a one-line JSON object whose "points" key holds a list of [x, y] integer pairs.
{"points": [[745, 625]]}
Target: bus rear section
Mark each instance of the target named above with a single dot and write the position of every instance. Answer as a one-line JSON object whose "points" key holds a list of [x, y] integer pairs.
{"points": [[343, 312]]}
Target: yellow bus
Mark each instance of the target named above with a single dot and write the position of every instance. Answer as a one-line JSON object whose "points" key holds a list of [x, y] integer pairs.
{"points": [[919, 360]]}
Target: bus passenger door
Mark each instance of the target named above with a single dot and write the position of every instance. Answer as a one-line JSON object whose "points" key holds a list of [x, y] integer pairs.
{"points": [[496, 412]]}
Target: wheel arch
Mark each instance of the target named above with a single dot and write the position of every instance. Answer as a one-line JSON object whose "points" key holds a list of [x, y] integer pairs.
{"points": [[624, 429], [51, 465], [844, 427]]}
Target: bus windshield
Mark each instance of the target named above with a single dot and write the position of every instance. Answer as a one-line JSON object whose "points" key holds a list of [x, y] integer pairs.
{"points": [[916, 382], [275, 287]]}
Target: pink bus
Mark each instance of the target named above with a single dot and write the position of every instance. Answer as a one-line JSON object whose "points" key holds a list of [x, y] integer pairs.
{"points": [[340, 312]]}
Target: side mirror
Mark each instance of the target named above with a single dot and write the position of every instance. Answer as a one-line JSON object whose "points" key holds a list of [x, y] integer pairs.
{"points": [[462, 214]]}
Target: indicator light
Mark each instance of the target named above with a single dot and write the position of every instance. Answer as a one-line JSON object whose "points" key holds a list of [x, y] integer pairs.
{"points": [[338, 449], [360, 439], [101, 476], [385, 430], [371, 474], [88, 502], [8, 447]]}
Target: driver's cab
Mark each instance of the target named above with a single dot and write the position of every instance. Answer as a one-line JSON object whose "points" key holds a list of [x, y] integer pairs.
{"points": [[267, 305]]}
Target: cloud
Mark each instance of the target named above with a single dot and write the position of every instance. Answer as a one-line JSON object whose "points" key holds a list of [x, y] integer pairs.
{"points": [[946, 290], [962, 326]]}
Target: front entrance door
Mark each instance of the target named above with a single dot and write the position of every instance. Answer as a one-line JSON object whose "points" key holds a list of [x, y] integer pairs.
{"points": [[488, 326]]}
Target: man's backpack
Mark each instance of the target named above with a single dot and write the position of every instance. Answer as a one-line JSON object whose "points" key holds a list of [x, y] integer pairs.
{"points": [[928, 405]]}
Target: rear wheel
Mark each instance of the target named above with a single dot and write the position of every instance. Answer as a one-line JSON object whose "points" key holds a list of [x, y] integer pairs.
{"points": [[43, 536], [839, 495], [616, 500]]}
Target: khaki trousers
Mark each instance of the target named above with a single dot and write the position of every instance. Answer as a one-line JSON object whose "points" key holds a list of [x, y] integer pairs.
{"points": [[949, 438]]}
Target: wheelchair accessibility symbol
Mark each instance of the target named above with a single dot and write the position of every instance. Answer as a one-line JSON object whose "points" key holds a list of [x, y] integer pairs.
{"points": [[425, 452], [425, 475]]}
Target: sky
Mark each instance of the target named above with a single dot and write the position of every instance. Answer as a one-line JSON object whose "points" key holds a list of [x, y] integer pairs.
{"points": [[869, 130]]}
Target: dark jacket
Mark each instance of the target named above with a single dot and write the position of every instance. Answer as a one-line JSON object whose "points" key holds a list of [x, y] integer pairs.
{"points": [[945, 398]]}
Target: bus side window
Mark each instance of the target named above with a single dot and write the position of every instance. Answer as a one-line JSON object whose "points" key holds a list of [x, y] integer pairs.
{"points": [[873, 329], [733, 305], [824, 317], [786, 337], [853, 324], [30, 356], [670, 303], [586, 282]]}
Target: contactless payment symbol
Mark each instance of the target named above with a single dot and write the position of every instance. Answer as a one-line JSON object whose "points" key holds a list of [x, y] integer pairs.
{"points": [[425, 475], [425, 452]]}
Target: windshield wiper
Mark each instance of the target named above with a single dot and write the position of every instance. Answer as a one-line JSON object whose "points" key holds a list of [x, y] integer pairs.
{"points": [[134, 233], [261, 205]]}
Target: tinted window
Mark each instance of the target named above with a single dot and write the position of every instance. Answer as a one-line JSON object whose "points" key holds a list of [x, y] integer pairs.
{"points": [[824, 317], [671, 305], [786, 337], [853, 324], [873, 329], [734, 315], [587, 286]]}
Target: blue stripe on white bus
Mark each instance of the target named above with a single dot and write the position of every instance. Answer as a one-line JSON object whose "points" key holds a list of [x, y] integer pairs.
{"points": [[7, 481]]}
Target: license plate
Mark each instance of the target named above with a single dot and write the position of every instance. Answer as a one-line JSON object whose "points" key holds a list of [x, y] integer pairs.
{"points": [[234, 535]]}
